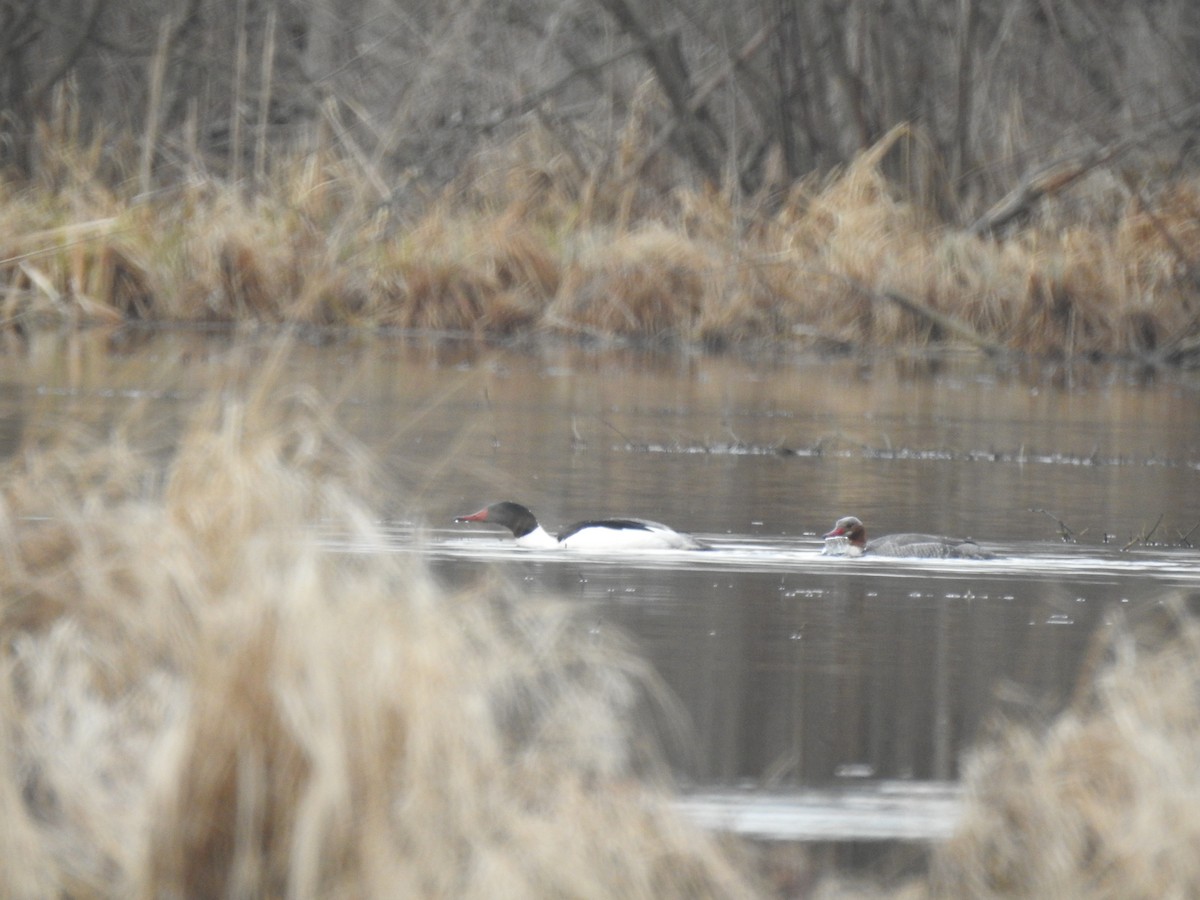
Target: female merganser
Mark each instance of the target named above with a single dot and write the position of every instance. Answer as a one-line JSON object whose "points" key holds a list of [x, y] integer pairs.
{"points": [[602, 534], [849, 538]]}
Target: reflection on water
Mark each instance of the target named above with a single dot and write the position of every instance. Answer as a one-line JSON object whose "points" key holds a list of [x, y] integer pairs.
{"points": [[799, 669], [880, 811], [795, 670]]}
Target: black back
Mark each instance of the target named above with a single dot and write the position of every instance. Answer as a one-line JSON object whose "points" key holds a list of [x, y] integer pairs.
{"points": [[618, 524]]}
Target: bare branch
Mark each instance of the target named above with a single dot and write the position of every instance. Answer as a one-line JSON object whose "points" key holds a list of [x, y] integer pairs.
{"points": [[1048, 179], [1064, 531], [664, 54], [83, 35], [946, 323]]}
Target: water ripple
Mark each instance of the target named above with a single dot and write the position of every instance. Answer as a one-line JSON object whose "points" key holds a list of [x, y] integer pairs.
{"points": [[744, 553]]}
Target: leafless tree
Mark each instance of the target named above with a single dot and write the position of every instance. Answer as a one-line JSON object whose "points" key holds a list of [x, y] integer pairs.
{"points": [[752, 94]]}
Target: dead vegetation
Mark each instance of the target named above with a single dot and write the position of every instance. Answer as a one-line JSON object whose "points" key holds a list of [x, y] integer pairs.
{"points": [[843, 261], [200, 701], [1016, 179], [1102, 802]]}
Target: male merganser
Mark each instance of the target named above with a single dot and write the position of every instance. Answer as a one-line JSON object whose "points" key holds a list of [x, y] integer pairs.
{"points": [[601, 534], [849, 538]]}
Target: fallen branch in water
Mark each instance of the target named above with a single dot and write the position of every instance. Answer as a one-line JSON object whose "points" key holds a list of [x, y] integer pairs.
{"points": [[1064, 531], [1185, 540], [945, 322], [936, 318], [1144, 537]]}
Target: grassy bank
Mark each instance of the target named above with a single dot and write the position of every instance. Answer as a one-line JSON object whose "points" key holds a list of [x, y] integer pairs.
{"points": [[525, 243]]}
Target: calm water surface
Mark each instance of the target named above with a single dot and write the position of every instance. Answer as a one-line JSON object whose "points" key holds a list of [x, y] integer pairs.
{"points": [[797, 671]]}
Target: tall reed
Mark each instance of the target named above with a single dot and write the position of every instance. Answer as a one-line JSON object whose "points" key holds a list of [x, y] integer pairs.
{"points": [[201, 700], [526, 246], [1102, 802]]}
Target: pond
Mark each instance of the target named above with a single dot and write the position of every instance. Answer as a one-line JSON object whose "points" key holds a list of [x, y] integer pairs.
{"points": [[797, 671]]}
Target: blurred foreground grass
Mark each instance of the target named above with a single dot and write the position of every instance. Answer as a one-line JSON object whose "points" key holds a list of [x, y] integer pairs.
{"points": [[200, 701]]}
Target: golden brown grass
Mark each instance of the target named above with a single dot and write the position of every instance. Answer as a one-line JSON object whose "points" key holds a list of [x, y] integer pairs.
{"points": [[644, 283], [1103, 802], [539, 244], [198, 700], [466, 272]]}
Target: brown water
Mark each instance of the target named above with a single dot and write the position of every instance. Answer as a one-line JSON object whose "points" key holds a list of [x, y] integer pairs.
{"points": [[796, 671]]}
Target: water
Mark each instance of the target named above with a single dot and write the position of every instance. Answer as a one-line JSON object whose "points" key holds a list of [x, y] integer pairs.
{"points": [[801, 676]]}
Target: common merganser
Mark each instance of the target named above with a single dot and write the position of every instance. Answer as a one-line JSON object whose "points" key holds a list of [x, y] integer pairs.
{"points": [[601, 534], [849, 538]]}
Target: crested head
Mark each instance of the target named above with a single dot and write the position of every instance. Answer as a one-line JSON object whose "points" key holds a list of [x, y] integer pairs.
{"points": [[851, 528]]}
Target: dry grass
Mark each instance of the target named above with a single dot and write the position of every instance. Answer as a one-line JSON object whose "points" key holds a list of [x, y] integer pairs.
{"points": [[644, 283], [1102, 803], [200, 701], [528, 243], [465, 271]]}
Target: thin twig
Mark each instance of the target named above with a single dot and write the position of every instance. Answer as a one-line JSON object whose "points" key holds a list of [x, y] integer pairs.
{"points": [[264, 99], [158, 71], [239, 87], [697, 101], [664, 55], [1150, 533], [618, 431], [1186, 539], [1064, 531], [528, 102], [945, 322], [1144, 537], [1049, 179], [79, 233], [66, 59]]}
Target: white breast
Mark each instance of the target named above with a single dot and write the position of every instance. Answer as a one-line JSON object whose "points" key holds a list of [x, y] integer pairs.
{"points": [[840, 546], [539, 539], [598, 537]]}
